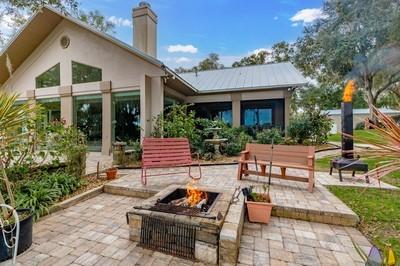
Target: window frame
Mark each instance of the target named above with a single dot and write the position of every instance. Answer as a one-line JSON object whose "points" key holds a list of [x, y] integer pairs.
{"points": [[81, 81]]}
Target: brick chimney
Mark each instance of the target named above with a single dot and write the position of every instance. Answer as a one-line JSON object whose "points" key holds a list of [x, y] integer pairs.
{"points": [[145, 29]]}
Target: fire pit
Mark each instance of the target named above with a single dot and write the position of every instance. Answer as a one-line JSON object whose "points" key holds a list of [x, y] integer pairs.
{"points": [[187, 202], [347, 162], [182, 221]]}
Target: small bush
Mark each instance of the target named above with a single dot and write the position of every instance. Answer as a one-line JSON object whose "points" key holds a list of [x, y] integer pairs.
{"points": [[310, 128], [40, 194], [360, 126], [232, 149], [267, 135]]}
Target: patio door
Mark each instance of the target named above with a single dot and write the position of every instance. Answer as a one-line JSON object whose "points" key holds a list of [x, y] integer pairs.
{"points": [[88, 118]]}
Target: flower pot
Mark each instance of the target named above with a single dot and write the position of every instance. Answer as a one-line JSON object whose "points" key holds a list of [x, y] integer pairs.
{"points": [[111, 173], [259, 212], [25, 235]]}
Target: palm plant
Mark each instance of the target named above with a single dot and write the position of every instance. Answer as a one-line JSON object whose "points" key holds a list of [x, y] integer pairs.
{"points": [[13, 117], [386, 144]]}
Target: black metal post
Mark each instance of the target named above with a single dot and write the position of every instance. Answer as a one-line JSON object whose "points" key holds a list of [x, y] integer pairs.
{"points": [[347, 128]]}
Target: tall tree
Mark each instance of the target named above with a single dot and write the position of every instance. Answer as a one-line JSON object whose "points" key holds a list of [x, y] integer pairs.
{"points": [[254, 59], [282, 52], [97, 20], [356, 39], [211, 62]]}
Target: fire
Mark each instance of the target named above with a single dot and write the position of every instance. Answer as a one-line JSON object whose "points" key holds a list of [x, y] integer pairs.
{"points": [[349, 90], [194, 195]]}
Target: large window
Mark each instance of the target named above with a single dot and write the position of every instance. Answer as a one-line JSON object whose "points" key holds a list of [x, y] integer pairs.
{"points": [[82, 73], [220, 110], [126, 116], [263, 114], [52, 109], [49, 78], [88, 118]]}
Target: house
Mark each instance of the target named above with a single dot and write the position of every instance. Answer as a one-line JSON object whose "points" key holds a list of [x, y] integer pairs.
{"points": [[359, 116], [112, 90]]}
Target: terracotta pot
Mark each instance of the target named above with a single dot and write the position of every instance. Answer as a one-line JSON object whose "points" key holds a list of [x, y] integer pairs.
{"points": [[111, 173], [259, 212]]}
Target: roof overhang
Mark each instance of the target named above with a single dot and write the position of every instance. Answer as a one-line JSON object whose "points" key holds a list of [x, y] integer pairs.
{"points": [[27, 39], [262, 88], [176, 82]]}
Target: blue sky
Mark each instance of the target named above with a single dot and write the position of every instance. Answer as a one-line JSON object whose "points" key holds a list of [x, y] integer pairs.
{"points": [[189, 30]]}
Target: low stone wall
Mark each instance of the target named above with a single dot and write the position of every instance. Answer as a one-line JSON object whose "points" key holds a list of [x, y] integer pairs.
{"points": [[229, 238]]}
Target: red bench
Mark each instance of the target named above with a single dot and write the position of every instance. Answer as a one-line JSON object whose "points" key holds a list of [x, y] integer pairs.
{"points": [[164, 153]]}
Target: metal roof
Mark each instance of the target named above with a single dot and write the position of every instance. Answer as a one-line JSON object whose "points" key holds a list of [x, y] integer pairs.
{"points": [[363, 111], [269, 76]]}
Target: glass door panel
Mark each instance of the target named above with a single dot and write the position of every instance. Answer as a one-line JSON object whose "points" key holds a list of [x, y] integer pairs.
{"points": [[126, 116], [88, 118]]}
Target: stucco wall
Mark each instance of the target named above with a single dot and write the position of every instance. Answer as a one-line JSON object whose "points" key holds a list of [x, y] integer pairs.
{"points": [[118, 65]]}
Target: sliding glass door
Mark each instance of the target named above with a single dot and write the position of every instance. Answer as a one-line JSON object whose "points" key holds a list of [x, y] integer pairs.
{"points": [[126, 116], [88, 118]]}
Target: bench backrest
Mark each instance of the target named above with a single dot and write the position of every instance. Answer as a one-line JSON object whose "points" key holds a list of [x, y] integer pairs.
{"points": [[282, 153], [165, 152]]}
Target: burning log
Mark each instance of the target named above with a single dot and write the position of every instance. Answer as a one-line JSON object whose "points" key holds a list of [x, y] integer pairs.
{"points": [[203, 201], [179, 202]]}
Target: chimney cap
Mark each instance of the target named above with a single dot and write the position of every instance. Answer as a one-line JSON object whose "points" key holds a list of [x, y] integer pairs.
{"points": [[144, 4]]}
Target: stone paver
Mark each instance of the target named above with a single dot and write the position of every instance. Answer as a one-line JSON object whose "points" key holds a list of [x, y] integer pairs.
{"points": [[282, 242], [294, 250], [291, 198]]}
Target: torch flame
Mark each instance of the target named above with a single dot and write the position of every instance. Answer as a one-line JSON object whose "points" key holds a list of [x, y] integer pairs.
{"points": [[349, 90], [194, 195]]}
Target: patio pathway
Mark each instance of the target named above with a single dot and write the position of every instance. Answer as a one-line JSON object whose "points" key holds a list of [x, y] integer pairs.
{"points": [[94, 232], [291, 198]]}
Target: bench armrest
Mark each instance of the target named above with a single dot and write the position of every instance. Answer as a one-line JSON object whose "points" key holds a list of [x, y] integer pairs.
{"points": [[244, 155], [244, 152], [310, 157]]}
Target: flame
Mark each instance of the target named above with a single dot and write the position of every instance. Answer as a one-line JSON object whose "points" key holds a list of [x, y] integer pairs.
{"points": [[194, 195], [349, 90]]}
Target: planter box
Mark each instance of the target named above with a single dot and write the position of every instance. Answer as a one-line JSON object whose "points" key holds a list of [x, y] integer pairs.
{"points": [[259, 212]]}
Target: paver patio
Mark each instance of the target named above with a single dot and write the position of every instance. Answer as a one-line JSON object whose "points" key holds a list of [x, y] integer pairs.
{"points": [[94, 232]]}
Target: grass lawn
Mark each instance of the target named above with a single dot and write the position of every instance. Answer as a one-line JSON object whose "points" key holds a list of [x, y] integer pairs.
{"points": [[379, 211], [362, 133]]}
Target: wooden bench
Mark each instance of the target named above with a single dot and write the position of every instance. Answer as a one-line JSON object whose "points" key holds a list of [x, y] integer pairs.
{"points": [[164, 153], [284, 156]]}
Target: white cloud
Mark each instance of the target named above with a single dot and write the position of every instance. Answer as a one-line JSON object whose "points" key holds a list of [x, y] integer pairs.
{"points": [[308, 15], [295, 24], [181, 60], [179, 48], [120, 22], [276, 18], [7, 25], [256, 51]]}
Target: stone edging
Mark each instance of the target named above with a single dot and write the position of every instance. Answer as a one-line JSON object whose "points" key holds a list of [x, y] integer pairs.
{"points": [[76, 199]]}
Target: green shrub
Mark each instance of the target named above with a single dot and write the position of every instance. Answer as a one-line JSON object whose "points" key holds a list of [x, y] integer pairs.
{"points": [[39, 194], [137, 150], [267, 135], [243, 139], [311, 127], [177, 122], [233, 149], [360, 126]]}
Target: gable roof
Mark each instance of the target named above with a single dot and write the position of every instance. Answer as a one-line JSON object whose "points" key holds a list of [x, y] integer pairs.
{"points": [[41, 24], [268, 76]]}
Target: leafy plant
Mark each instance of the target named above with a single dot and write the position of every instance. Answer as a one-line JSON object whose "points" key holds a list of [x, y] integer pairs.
{"points": [[39, 194], [267, 135], [12, 119], [312, 127], [177, 122]]}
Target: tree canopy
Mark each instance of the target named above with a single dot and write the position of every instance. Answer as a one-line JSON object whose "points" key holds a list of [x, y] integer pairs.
{"points": [[209, 63], [355, 40]]}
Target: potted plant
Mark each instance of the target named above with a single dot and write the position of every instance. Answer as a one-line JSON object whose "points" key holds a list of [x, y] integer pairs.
{"points": [[111, 173], [12, 118], [259, 206]]}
